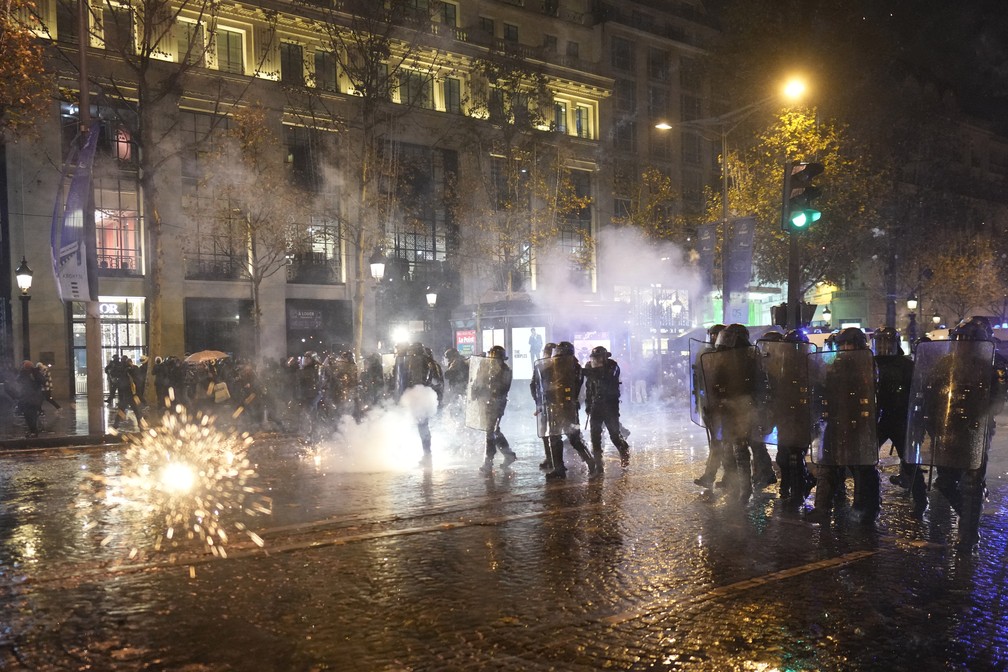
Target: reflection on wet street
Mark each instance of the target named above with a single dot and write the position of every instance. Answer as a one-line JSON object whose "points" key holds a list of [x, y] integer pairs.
{"points": [[368, 562]]}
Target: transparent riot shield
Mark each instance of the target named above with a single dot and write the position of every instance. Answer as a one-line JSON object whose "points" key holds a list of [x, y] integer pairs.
{"points": [[786, 404], [730, 379], [410, 370], [342, 381], [559, 384], [842, 402], [697, 348], [482, 402], [950, 400]]}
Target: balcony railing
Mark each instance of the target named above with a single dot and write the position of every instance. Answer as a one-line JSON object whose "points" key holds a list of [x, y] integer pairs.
{"points": [[313, 268], [121, 263], [215, 268]]}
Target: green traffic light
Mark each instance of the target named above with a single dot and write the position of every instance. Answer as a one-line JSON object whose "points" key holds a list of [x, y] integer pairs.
{"points": [[802, 218]]}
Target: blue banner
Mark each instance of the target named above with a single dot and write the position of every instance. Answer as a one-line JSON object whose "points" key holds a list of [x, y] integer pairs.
{"points": [[738, 269], [70, 253], [707, 235]]}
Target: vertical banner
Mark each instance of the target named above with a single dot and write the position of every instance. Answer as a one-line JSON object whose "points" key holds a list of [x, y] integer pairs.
{"points": [[707, 235], [70, 253], [738, 269]]}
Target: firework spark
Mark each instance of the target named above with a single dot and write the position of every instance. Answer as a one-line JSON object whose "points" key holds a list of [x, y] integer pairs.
{"points": [[195, 481]]}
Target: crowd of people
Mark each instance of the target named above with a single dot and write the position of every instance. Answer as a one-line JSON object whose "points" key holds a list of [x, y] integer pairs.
{"points": [[830, 412]]}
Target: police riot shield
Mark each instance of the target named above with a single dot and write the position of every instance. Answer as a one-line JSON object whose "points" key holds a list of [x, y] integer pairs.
{"points": [[410, 370], [697, 348], [342, 381], [950, 400], [558, 380], [482, 405], [730, 380], [842, 402], [786, 404]]}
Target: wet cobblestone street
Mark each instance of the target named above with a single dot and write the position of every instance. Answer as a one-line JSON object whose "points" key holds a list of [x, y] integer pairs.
{"points": [[398, 569]]}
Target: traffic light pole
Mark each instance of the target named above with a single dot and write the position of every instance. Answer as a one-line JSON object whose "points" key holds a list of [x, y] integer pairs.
{"points": [[793, 291]]}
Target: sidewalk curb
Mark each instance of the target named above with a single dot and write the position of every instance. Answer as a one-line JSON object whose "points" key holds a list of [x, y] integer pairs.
{"points": [[72, 441]]}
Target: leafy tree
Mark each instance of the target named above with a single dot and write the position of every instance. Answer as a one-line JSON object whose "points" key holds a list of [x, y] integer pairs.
{"points": [[966, 277], [647, 199], [25, 88], [756, 181], [250, 187], [521, 197]]}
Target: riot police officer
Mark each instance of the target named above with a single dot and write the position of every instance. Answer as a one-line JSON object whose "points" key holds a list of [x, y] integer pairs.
{"points": [[762, 466], [535, 387], [785, 365], [602, 398], [715, 448], [959, 386], [560, 379], [844, 403], [489, 384], [415, 366], [731, 379], [456, 375], [895, 375]]}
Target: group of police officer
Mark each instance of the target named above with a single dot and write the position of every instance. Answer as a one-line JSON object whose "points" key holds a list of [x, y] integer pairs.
{"points": [[839, 406]]}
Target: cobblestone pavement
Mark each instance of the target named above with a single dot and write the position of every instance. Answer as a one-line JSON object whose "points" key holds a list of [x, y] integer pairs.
{"points": [[372, 565]]}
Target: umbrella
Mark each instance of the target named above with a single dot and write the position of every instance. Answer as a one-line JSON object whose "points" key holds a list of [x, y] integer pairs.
{"points": [[206, 356]]}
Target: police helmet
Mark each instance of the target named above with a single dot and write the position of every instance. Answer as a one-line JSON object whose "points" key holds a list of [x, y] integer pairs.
{"points": [[564, 348], [733, 336], [976, 328], [886, 342], [796, 336], [416, 348], [451, 353], [772, 336], [348, 356], [497, 352], [599, 352], [713, 331], [852, 336], [549, 349]]}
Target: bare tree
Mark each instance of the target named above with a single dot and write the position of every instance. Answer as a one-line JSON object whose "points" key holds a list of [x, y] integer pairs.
{"points": [[255, 201]]}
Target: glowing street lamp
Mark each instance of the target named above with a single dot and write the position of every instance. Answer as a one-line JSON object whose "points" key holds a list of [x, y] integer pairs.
{"points": [[936, 319], [431, 297], [24, 281], [377, 262]]}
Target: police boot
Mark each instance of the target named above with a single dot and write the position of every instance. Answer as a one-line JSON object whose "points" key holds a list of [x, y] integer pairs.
{"points": [[556, 457], [547, 464], [597, 458], [624, 453], [743, 464], [786, 464], [918, 492], [824, 492], [487, 467]]}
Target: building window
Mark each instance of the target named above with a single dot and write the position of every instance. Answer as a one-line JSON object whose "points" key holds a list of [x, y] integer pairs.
{"points": [[573, 49], [66, 22], [583, 122], [560, 116], [690, 75], [658, 64], [304, 153], [622, 54], [495, 106], [291, 64], [691, 107], [622, 208], [220, 252], [692, 146], [577, 227], [325, 70], [486, 25], [551, 7], [657, 102], [316, 260], [625, 135], [453, 95], [190, 45], [230, 51], [416, 89], [510, 32], [117, 226], [117, 28], [449, 14], [196, 130], [660, 144], [626, 95]]}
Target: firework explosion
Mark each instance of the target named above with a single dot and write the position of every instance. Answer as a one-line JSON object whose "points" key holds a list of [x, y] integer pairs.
{"points": [[192, 479]]}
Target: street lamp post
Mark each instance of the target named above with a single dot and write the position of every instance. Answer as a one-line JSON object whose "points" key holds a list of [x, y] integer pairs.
{"points": [[24, 281], [377, 263], [911, 303], [793, 90]]}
